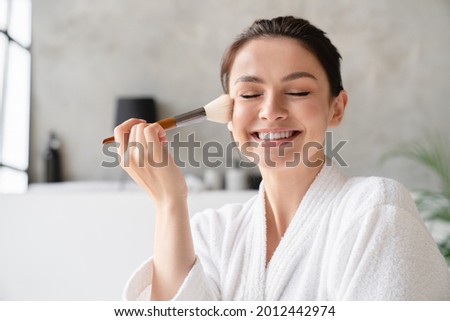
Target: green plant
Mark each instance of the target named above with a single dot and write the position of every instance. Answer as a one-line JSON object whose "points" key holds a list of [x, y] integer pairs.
{"points": [[433, 152]]}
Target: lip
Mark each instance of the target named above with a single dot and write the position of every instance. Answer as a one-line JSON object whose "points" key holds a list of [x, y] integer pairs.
{"points": [[276, 142]]}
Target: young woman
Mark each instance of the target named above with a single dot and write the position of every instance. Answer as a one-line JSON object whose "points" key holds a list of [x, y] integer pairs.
{"points": [[311, 233]]}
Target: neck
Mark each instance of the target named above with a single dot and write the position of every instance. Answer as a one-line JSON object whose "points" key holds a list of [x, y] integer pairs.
{"points": [[284, 190]]}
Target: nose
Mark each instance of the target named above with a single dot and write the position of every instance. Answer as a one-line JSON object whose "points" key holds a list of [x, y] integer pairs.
{"points": [[272, 108]]}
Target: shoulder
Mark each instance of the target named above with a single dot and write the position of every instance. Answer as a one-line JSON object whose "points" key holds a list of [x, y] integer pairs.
{"points": [[364, 193], [374, 201], [382, 240]]}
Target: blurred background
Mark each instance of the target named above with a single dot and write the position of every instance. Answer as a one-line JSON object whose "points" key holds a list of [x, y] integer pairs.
{"points": [[64, 65], [85, 55]]}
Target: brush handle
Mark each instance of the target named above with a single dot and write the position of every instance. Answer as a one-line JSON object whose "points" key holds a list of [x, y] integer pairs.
{"points": [[165, 123], [190, 117]]}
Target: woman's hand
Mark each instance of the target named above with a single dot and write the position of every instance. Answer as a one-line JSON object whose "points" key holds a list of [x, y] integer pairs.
{"points": [[145, 157], [148, 162]]}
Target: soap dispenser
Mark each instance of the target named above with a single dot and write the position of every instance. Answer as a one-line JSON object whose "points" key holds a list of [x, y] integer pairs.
{"points": [[53, 160]]}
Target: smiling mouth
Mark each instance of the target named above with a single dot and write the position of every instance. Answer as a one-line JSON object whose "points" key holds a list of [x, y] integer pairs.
{"points": [[275, 136]]}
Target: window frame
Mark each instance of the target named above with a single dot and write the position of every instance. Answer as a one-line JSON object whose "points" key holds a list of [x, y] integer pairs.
{"points": [[12, 41]]}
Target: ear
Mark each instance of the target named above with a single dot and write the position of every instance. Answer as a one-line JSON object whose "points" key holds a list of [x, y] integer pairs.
{"points": [[230, 126], [338, 109]]}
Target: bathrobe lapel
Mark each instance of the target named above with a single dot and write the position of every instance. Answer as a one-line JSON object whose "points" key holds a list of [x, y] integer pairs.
{"points": [[256, 251], [259, 283], [292, 251]]}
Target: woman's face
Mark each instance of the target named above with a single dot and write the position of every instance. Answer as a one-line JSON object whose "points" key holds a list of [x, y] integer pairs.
{"points": [[282, 102]]}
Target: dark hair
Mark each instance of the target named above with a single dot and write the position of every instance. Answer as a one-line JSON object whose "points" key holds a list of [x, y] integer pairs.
{"points": [[301, 30]]}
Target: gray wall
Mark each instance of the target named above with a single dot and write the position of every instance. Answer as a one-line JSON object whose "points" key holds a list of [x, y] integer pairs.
{"points": [[87, 53]]}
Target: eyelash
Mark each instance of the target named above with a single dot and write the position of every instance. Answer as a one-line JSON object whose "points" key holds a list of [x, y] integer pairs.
{"points": [[298, 94], [250, 96]]}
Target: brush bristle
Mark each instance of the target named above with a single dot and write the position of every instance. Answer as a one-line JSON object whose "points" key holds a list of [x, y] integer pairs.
{"points": [[220, 110]]}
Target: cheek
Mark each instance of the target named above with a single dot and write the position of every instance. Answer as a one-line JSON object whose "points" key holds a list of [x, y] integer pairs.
{"points": [[241, 114], [242, 117], [310, 116], [316, 113]]}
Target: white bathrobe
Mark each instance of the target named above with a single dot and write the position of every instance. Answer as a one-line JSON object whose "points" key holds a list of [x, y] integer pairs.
{"points": [[350, 239]]}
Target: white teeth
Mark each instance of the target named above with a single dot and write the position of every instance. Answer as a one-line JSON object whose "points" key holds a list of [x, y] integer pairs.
{"points": [[274, 136]]}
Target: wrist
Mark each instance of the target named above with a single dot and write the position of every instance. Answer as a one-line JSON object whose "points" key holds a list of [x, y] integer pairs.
{"points": [[170, 206]]}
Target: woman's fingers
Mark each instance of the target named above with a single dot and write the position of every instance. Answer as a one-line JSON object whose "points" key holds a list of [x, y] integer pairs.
{"points": [[134, 148], [122, 132], [155, 134], [147, 160], [140, 138], [141, 143]]}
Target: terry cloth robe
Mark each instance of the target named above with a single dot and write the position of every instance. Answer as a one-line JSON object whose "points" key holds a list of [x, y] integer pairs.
{"points": [[351, 239]]}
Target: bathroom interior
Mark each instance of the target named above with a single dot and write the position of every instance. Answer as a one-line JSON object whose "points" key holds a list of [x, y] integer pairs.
{"points": [[74, 226]]}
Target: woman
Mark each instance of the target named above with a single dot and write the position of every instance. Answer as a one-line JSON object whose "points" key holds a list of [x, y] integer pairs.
{"points": [[311, 233]]}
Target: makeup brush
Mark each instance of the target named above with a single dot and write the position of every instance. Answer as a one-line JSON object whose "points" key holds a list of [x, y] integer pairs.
{"points": [[219, 110]]}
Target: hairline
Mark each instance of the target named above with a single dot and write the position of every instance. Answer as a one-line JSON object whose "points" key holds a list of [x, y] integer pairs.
{"points": [[241, 43]]}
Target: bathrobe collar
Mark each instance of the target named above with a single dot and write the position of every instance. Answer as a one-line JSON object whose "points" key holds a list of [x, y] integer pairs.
{"points": [[269, 284]]}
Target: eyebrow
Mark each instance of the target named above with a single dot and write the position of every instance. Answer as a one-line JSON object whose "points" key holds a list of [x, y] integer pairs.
{"points": [[249, 79], [290, 77], [297, 75]]}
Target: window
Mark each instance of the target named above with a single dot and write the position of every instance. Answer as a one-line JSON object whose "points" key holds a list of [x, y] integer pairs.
{"points": [[15, 78]]}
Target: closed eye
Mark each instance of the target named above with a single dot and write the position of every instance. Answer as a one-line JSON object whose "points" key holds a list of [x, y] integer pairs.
{"points": [[299, 94], [250, 96]]}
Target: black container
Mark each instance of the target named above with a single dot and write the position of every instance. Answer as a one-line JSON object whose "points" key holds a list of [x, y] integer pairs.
{"points": [[135, 107], [53, 160]]}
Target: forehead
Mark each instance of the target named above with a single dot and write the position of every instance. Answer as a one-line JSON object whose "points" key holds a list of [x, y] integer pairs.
{"points": [[275, 56]]}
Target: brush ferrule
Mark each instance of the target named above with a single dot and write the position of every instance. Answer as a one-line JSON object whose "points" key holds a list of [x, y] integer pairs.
{"points": [[191, 117]]}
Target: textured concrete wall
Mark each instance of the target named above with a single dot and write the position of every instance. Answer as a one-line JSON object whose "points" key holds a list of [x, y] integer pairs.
{"points": [[87, 53]]}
